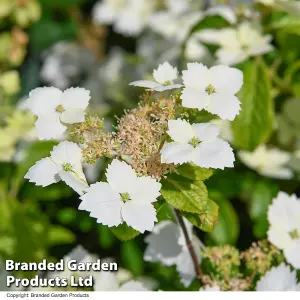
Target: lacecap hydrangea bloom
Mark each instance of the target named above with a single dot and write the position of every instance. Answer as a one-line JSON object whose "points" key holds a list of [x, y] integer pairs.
{"points": [[268, 162], [284, 230], [166, 244], [164, 76], [279, 278], [212, 89], [123, 198], [197, 143], [55, 108], [63, 164]]}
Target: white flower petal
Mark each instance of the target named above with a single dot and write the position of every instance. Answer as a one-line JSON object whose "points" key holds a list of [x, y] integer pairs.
{"points": [[146, 84], [75, 98], [279, 237], [226, 80], [44, 100], [140, 216], [49, 127], [103, 203], [43, 172], [121, 177], [279, 173], [185, 267], [165, 73], [229, 56], [163, 243], [284, 212], [73, 181], [167, 87], [73, 115], [225, 11], [292, 254], [197, 76], [147, 189], [105, 281], [217, 154], [177, 153], [67, 152], [206, 131], [279, 278], [226, 106], [180, 131], [193, 98]]}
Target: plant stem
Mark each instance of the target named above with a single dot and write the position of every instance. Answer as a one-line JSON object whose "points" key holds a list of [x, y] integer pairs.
{"points": [[189, 244]]}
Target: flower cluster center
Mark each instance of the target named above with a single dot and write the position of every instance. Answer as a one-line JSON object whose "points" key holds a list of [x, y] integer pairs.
{"points": [[67, 167], [125, 196], [194, 141], [60, 108], [295, 234], [210, 89]]}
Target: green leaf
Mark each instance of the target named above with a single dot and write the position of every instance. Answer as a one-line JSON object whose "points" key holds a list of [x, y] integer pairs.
{"points": [[132, 257], [184, 194], [207, 220], [124, 232], [254, 124], [106, 238], [55, 31], [227, 228], [58, 235], [193, 172]]}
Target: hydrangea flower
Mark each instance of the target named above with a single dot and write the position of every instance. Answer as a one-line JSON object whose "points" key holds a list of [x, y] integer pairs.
{"points": [[212, 89], [123, 198], [279, 278], [267, 162], [163, 76], [129, 17], [63, 164], [284, 230], [197, 143], [54, 108], [236, 45], [166, 244]]}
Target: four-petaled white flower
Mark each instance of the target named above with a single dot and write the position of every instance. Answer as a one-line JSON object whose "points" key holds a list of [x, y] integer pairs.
{"points": [[284, 230], [212, 89], [123, 198], [166, 244], [236, 45], [54, 107], [267, 162], [63, 164], [197, 143], [163, 75], [279, 278]]}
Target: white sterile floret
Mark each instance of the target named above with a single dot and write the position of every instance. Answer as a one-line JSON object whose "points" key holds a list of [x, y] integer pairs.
{"points": [[267, 162], [107, 11], [123, 198], [212, 89], [63, 164], [163, 76], [284, 230], [279, 278], [54, 108], [166, 244], [236, 45], [197, 143]]}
